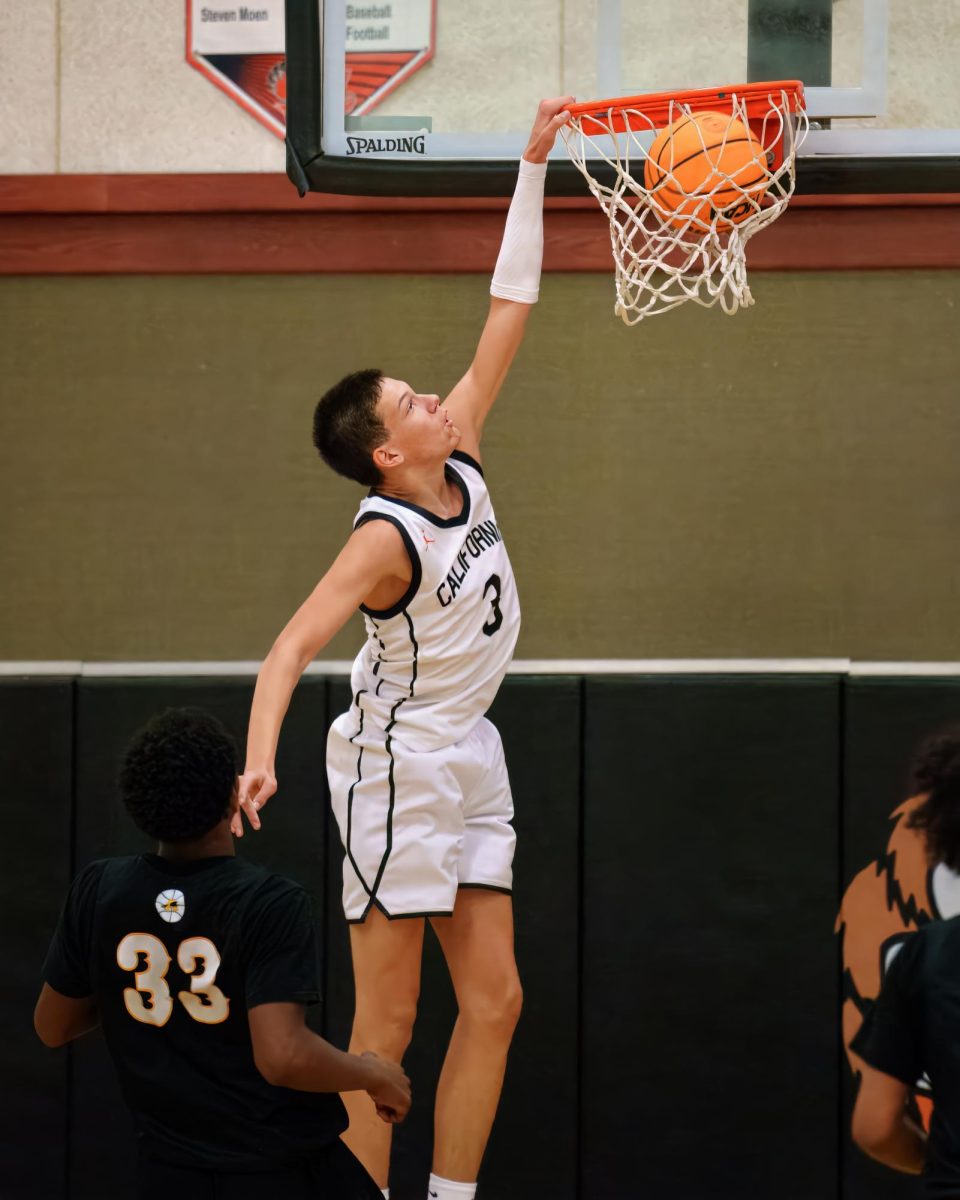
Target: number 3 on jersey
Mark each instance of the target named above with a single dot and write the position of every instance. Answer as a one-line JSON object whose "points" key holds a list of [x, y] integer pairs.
{"points": [[496, 617], [204, 1002]]}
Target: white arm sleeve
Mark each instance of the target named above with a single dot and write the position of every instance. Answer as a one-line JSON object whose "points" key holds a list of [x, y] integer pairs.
{"points": [[517, 273]]}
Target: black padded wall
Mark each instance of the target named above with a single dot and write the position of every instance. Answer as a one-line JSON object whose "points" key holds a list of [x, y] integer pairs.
{"points": [[533, 1150], [709, 970], [291, 842], [36, 753], [683, 845], [886, 719]]}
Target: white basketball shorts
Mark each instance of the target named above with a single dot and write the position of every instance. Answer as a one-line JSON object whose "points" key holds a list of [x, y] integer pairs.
{"points": [[417, 825]]}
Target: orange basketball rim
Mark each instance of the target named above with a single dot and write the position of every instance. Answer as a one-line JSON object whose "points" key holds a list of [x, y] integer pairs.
{"points": [[661, 108], [679, 225]]}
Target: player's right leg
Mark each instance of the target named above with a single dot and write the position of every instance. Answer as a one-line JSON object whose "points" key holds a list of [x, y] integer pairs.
{"points": [[386, 972], [401, 823]]}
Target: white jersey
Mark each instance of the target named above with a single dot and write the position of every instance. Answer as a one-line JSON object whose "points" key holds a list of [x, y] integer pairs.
{"points": [[432, 663]]}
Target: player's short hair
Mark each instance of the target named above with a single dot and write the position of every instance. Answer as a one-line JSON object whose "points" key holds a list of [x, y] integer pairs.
{"points": [[936, 771], [178, 775], [347, 426]]}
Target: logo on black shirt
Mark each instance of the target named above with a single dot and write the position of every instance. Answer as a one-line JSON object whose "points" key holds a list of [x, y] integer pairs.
{"points": [[171, 905]]}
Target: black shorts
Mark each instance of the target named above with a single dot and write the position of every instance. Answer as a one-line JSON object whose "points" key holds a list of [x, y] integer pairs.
{"points": [[333, 1173]]}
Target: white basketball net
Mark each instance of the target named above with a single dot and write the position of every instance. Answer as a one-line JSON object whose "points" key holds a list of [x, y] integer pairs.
{"points": [[665, 257]]}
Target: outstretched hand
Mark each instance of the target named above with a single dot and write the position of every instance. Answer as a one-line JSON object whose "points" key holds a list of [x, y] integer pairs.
{"points": [[255, 789], [551, 116]]}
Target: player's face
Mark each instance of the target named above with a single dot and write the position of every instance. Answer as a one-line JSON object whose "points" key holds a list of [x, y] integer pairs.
{"points": [[417, 423]]}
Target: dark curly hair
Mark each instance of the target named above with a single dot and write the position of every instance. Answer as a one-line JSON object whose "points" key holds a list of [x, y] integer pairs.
{"points": [[936, 771], [178, 775], [347, 426]]}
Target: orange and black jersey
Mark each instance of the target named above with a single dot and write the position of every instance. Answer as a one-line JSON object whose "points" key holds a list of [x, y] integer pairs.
{"points": [[913, 1029], [175, 954]]}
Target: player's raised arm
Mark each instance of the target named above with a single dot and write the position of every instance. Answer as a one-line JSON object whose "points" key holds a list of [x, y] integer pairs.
{"points": [[374, 554], [516, 283]]}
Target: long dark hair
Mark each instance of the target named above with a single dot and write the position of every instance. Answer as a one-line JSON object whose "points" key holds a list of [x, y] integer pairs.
{"points": [[936, 771]]}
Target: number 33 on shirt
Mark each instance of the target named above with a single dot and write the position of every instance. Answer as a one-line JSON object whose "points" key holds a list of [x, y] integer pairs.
{"points": [[149, 1000]]}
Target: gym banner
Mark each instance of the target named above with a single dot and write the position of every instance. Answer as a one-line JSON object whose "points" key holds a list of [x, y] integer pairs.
{"points": [[240, 48], [385, 44]]}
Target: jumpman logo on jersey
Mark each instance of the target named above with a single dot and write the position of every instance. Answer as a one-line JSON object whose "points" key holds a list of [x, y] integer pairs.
{"points": [[427, 540]]}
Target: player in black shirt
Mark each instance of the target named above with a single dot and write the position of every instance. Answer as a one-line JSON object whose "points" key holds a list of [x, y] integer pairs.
{"points": [[913, 1029], [198, 966]]}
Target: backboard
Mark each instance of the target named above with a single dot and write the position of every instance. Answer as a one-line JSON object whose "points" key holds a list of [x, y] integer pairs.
{"points": [[435, 97]]}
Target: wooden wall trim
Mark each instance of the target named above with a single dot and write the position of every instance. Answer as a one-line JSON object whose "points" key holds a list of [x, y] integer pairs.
{"points": [[273, 192], [199, 193], [256, 224]]}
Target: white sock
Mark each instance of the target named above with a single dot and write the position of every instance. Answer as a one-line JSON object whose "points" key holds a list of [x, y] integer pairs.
{"points": [[448, 1189]]}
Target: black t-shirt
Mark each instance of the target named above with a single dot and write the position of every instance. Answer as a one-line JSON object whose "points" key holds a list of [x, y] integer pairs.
{"points": [[914, 1028], [175, 954]]}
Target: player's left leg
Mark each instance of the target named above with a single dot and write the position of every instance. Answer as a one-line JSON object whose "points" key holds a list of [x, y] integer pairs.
{"points": [[477, 943]]}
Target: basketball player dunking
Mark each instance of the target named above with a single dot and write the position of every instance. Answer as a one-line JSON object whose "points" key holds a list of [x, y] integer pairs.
{"points": [[417, 776]]}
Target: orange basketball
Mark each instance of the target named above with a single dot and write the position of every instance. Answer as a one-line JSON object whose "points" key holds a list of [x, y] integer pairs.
{"points": [[703, 164]]}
